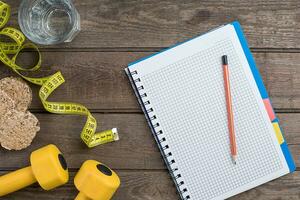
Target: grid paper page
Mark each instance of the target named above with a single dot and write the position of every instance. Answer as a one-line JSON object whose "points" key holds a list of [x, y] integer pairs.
{"points": [[188, 99]]}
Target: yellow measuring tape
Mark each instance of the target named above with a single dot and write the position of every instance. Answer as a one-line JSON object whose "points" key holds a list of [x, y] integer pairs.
{"points": [[48, 84]]}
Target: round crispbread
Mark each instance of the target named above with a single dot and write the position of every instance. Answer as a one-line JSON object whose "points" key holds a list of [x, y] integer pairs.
{"points": [[18, 90], [17, 129]]}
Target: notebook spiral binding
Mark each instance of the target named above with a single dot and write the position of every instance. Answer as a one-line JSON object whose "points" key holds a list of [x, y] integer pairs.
{"points": [[159, 136]]}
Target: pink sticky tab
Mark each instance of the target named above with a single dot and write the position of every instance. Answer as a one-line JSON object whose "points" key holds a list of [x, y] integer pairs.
{"points": [[269, 109]]}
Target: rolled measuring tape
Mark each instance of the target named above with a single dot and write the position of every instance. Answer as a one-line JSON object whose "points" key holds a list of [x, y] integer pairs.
{"points": [[48, 84]]}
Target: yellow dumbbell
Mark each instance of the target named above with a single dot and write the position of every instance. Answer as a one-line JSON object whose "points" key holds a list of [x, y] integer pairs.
{"points": [[96, 181], [48, 168]]}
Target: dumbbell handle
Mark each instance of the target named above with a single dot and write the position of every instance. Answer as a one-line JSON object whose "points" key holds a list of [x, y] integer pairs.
{"points": [[82, 196], [16, 180]]}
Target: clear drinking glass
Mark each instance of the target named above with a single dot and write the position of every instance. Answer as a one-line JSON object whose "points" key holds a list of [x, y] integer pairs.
{"points": [[49, 21]]}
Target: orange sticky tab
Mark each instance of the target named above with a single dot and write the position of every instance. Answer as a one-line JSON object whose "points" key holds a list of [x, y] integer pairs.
{"points": [[269, 109], [278, 132]]}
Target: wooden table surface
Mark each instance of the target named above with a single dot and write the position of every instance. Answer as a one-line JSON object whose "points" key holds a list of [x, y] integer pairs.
{"points": [[116, 32]]}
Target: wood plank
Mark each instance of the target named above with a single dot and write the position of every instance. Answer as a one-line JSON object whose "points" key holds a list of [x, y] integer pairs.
{"points": [[158, 185], [99, 81], [135, 185], [135, 150], [107, 24]]}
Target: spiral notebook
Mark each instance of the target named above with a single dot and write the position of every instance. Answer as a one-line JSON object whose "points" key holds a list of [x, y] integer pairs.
{"points": [[181, 92]]}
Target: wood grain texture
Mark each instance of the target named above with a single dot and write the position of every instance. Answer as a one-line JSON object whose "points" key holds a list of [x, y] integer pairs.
{"points": [[98, 80], [135, 185], [114, 33], [149, 185], [155, 23], [135, 150]]}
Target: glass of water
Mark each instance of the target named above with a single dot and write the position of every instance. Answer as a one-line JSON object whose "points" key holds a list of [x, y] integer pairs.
{"points": [[49, 21]]}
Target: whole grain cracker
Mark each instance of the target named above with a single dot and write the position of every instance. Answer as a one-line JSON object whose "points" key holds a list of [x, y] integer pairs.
{"points": [[6, 103], [18, 129], [18, 90]]}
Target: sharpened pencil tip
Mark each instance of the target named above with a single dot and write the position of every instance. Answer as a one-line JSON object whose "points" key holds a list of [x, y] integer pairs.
{"points": [[234, 160]]}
